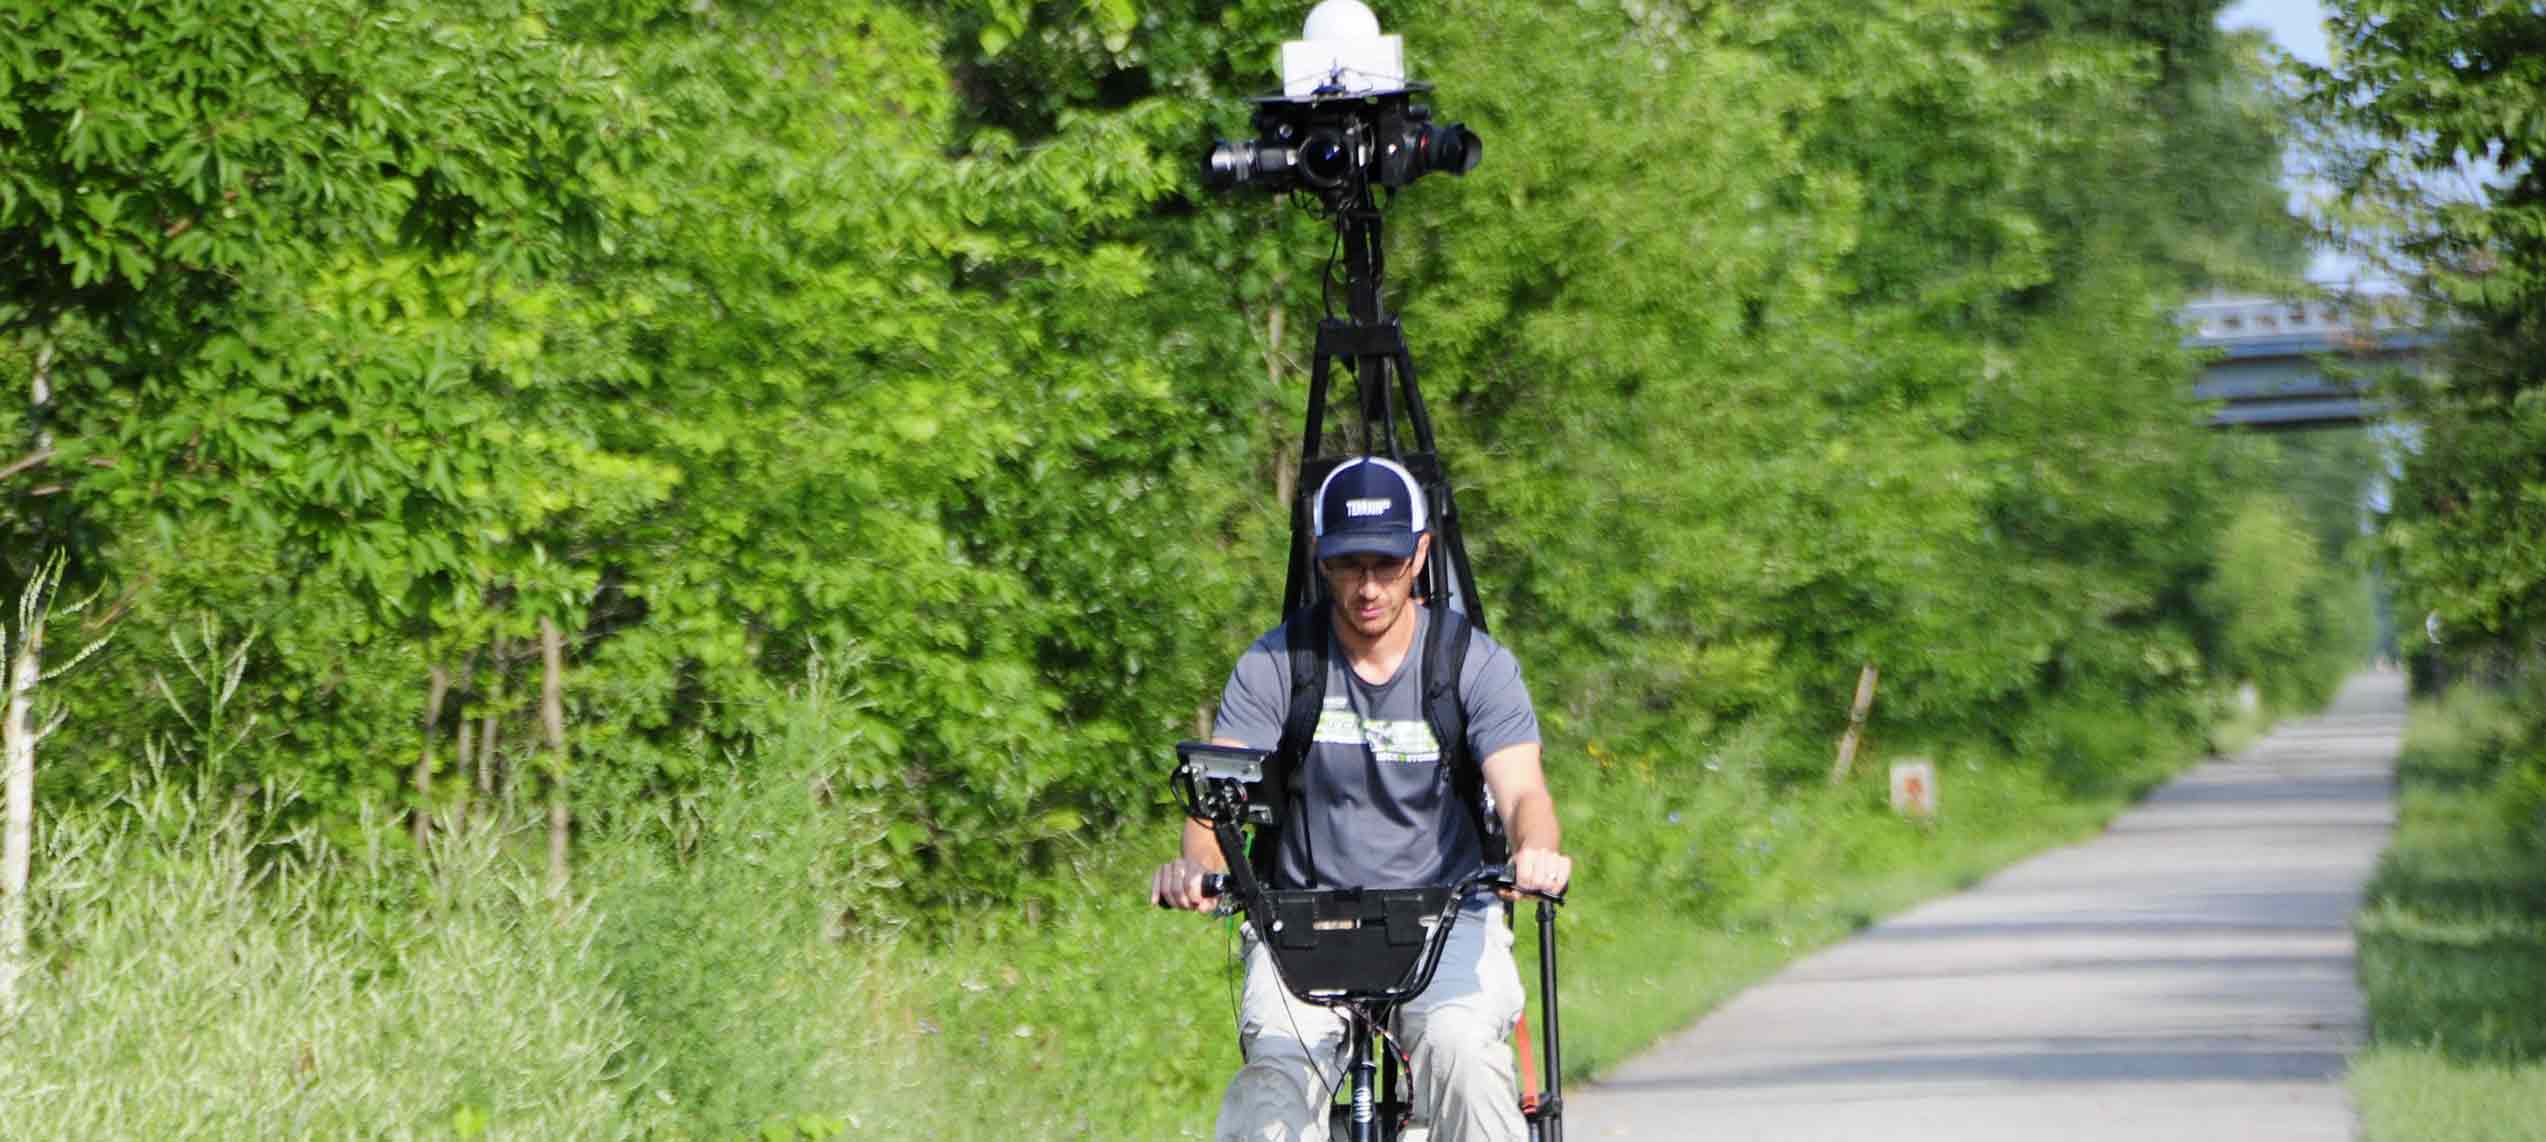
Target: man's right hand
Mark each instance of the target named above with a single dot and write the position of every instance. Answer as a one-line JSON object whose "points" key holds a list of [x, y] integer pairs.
{"points": [[1178, 884]]}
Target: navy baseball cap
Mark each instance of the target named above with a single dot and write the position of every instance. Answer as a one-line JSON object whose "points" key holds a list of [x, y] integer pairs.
{"points": [[1369, 506]]}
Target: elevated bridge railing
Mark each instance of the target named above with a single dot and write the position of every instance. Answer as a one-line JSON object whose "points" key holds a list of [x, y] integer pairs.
{"points": [[2270, 370]]}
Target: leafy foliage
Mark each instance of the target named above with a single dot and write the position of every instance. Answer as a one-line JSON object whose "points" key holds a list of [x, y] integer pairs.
{"points": [[869, 392], [2421, 90], [891, 341]]}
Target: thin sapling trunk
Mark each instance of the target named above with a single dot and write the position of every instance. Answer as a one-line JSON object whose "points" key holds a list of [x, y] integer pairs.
{"points": [[17, 742], [22, 651], [437, 687], [552, 718]]}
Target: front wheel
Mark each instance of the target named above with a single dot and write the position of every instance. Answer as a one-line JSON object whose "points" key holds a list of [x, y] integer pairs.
{"points": [[1339, 1123]]}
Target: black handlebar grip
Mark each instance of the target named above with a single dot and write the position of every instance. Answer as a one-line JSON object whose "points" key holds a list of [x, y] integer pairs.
{"points": [[1500, 878], [1213, 884]]}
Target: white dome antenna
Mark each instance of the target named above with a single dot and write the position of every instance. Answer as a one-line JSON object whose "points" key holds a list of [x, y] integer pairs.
{"points": [[1341, 20], [1342, 52]]}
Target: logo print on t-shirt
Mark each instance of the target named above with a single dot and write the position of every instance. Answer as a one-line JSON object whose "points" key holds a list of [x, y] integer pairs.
{"points": [[1395, 742]]}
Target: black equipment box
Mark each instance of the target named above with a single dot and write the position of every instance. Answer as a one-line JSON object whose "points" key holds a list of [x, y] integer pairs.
{"points": [[1356, 943]]}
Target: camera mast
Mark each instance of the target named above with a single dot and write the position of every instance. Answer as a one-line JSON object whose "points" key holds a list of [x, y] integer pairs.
{"points": [[1370, 345], [1345, 126]]}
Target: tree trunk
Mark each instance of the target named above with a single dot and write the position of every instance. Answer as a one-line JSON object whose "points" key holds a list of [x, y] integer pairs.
{"points": [[1286, 467], [486, 756], [1286, 475], [1857, 712], [17, 743], [552, 718], [457, 703], [25, 661], [39, 410], [463, 734], [437, 688], [40, 397], [486, 733], [40, 393]]}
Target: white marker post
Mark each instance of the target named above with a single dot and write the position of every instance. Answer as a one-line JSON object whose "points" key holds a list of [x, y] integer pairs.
{"points": [[1914, 788]]}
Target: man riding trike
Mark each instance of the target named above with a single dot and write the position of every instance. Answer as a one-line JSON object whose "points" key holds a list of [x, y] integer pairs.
{"points": [[1391, 757]]}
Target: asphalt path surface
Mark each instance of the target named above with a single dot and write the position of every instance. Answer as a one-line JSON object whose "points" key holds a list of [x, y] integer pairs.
{"points": [[2186, 975]]}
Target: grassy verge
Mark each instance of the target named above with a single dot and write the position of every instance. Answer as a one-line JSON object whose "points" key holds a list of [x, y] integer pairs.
{"points": [[193, 981], [2453, 940], [1102, 1018], [1640, 965], [198, 976]]}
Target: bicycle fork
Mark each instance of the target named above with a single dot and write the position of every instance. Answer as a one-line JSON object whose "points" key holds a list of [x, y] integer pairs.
{"points": [[1365, 1080]]}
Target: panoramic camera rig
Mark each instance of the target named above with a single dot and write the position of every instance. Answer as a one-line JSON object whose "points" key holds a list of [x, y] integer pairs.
{"points": [[1345, 127], [1338, 142]]}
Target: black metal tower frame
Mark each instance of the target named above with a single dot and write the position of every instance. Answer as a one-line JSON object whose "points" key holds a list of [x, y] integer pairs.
{"points": [[1370, 345]]}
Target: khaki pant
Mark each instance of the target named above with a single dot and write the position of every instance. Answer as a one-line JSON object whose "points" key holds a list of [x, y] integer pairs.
{"points": [[1457, 1032]]}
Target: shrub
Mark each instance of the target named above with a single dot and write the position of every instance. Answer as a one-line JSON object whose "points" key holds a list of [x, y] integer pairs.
{"points": [[2097, 748]]}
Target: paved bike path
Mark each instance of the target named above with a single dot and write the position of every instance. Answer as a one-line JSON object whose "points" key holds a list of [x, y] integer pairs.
{"points": [[2186, 975]]}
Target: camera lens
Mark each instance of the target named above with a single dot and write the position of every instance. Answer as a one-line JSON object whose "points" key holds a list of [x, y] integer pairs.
{"points": [[1450, 147], [1229, 165], [1326, 159]]}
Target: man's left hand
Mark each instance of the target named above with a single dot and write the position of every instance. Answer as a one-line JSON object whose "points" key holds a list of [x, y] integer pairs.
{"points": [[1541, 870]]}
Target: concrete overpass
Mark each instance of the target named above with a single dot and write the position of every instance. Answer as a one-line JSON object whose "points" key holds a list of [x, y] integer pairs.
{"points": [[2269, 371]]}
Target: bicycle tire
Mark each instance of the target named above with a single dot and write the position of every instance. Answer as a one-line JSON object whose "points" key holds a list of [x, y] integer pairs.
{"points": [[1339, 1124]]}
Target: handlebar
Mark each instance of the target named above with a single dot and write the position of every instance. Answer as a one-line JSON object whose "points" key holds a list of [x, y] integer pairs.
{"points": [[1496, 877], [1499, 878], [1215, 886]]}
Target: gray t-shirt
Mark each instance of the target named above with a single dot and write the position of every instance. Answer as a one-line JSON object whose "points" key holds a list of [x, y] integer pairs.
{"points": [[1376, 807]]}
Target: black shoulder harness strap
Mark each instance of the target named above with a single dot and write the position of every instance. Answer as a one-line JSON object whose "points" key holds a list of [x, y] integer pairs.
{"points": [[1304, 641], [1445, 647], [1445, 650]]}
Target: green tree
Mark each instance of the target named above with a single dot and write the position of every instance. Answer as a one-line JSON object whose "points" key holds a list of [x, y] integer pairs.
{"points": [[900, 337], [2420, 92], [222, 223]]}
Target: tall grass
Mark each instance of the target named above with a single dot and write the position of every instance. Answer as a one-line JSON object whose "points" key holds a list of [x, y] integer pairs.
{"points": [[2453, 936], [727, 970], [203, 976], [199, 978]]}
